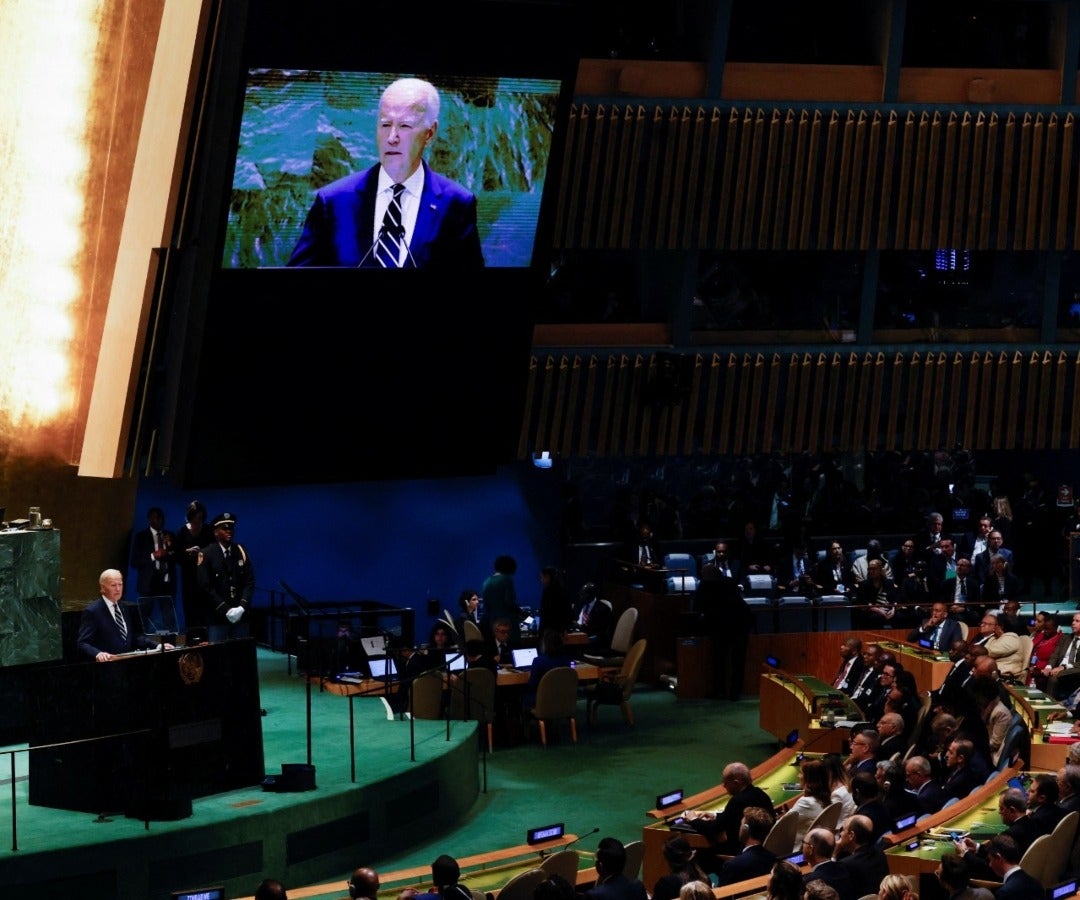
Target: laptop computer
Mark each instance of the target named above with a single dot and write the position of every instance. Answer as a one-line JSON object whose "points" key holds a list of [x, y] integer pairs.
{"points": [[456, 662], [523, 657], [382, 667]]}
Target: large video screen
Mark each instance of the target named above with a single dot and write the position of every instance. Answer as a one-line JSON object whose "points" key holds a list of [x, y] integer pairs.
{"points": [[311, 146]]}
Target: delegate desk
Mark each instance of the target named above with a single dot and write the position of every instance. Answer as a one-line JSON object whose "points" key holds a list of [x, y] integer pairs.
{"points": [[777, 776], [929, 667], [794, 703], [977, 814], [1038, 710], [193, 715]]}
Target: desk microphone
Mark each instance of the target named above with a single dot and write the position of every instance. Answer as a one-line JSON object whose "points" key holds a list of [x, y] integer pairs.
{"points": [[371, 250], [566, 846]]}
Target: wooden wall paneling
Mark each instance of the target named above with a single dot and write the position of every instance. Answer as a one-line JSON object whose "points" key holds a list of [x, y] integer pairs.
{"points": [[876, 401], [757, 151], [954, 414], [918, 212], [738, 203], [850, 432], [543, 417], [810, 177], [897, 390], [847, 187], [959, 195], [594, 174], [864, 409], [802, 144], [605, 428], [754, 428], [523, 448], [989, 177], [695, 184], [638, 126], [588, 408], [723, 208], [621, 428], [854, 179], [1074, 420], [772, 409], [716, 132], [1010, 435], [790, 379], [972, 396], [641, 411], [828, 179], [948, 181], [830, 436], [1024, 162], [572, 417], [803, 401], [738, 431], [669, 156], [570, 173], [1060, 389], [930, 426], [784, 180], [990, 397], [1005, 185], [650, 194], [870, 198], [1041, 372], [730, 377], [909, 386], [708, 444], [607, 142], [816, 389], [768, 191], [1046, 183], [1064, 182], [620, 139], [935, 137], [682, 189], [689, 441], [903, 193], [888, 169], [559, 405], [1001, 399], [975, 191]]}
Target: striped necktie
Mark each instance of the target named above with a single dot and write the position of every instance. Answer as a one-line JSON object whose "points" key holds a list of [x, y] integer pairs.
{"points": [[120, 623], [392, 233]]}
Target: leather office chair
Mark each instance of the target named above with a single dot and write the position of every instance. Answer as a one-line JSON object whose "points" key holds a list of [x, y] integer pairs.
{"points": [[617, 691]]}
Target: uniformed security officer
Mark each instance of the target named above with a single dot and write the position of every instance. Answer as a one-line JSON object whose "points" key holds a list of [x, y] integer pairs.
{"points": [[226, 579]]}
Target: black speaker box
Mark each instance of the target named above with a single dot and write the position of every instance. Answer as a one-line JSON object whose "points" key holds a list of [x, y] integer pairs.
{"points": [[294, 777]]}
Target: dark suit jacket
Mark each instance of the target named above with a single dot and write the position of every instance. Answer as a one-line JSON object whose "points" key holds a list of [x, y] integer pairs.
{"points": [[980, 565], [152, 581], [853, 675], [834, 875], [930, 797], [752, 862], [1020, 886], [617, 887], [98, 632], [729, 819], [879, 814], [340, 224], [950, 631], [865, 867]]}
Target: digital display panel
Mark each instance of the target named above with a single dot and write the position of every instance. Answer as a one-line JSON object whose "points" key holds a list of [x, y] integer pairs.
{"points": [[669, 799], [545, 833]]}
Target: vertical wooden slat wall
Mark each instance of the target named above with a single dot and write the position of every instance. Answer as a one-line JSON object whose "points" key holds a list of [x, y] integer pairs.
{"points": [[753, 403]]}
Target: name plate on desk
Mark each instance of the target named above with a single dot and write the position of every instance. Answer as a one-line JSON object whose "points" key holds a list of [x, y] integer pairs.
{"points": [[545, 833]]}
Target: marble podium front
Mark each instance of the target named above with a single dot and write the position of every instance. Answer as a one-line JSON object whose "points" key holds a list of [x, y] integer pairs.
{"points": [[29, 597]]}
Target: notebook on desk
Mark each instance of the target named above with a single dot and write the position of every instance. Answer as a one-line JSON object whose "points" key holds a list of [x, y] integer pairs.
{"points": [[523, 657]]}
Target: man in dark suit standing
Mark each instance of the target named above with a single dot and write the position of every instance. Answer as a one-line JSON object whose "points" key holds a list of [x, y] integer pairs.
{"points": [[152, 557], [104, 628], [399, 213], [226, 579]]}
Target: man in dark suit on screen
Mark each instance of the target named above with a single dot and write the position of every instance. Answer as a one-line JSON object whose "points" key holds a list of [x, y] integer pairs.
{"points": [[399, 213]]}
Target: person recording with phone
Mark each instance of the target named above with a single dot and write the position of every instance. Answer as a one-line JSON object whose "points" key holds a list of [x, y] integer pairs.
{"points": [[399, 213]]}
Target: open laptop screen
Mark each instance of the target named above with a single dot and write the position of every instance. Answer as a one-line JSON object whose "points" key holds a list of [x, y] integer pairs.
{"points": [[523, 657], [382, 668]]}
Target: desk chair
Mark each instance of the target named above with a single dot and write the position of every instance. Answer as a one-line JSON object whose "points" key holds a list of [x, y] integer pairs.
{"points": [[522, 885], [621, 640], [479, 685], [564, 864], [618, 689], [556, 698]]}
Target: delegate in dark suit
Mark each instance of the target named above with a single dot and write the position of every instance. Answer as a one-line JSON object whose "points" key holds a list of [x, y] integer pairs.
{"points": [[99, 633], [152, 558], [339, 228], [1020, 886], [943, 640], [866, 867], [753, 862], [835, 876]]}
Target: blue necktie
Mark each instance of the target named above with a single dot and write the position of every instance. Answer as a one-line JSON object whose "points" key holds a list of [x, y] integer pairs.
{"points": [[392, 233]]}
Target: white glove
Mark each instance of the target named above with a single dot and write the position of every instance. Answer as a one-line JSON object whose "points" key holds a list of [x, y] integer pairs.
{"points": [[234, 614]]}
